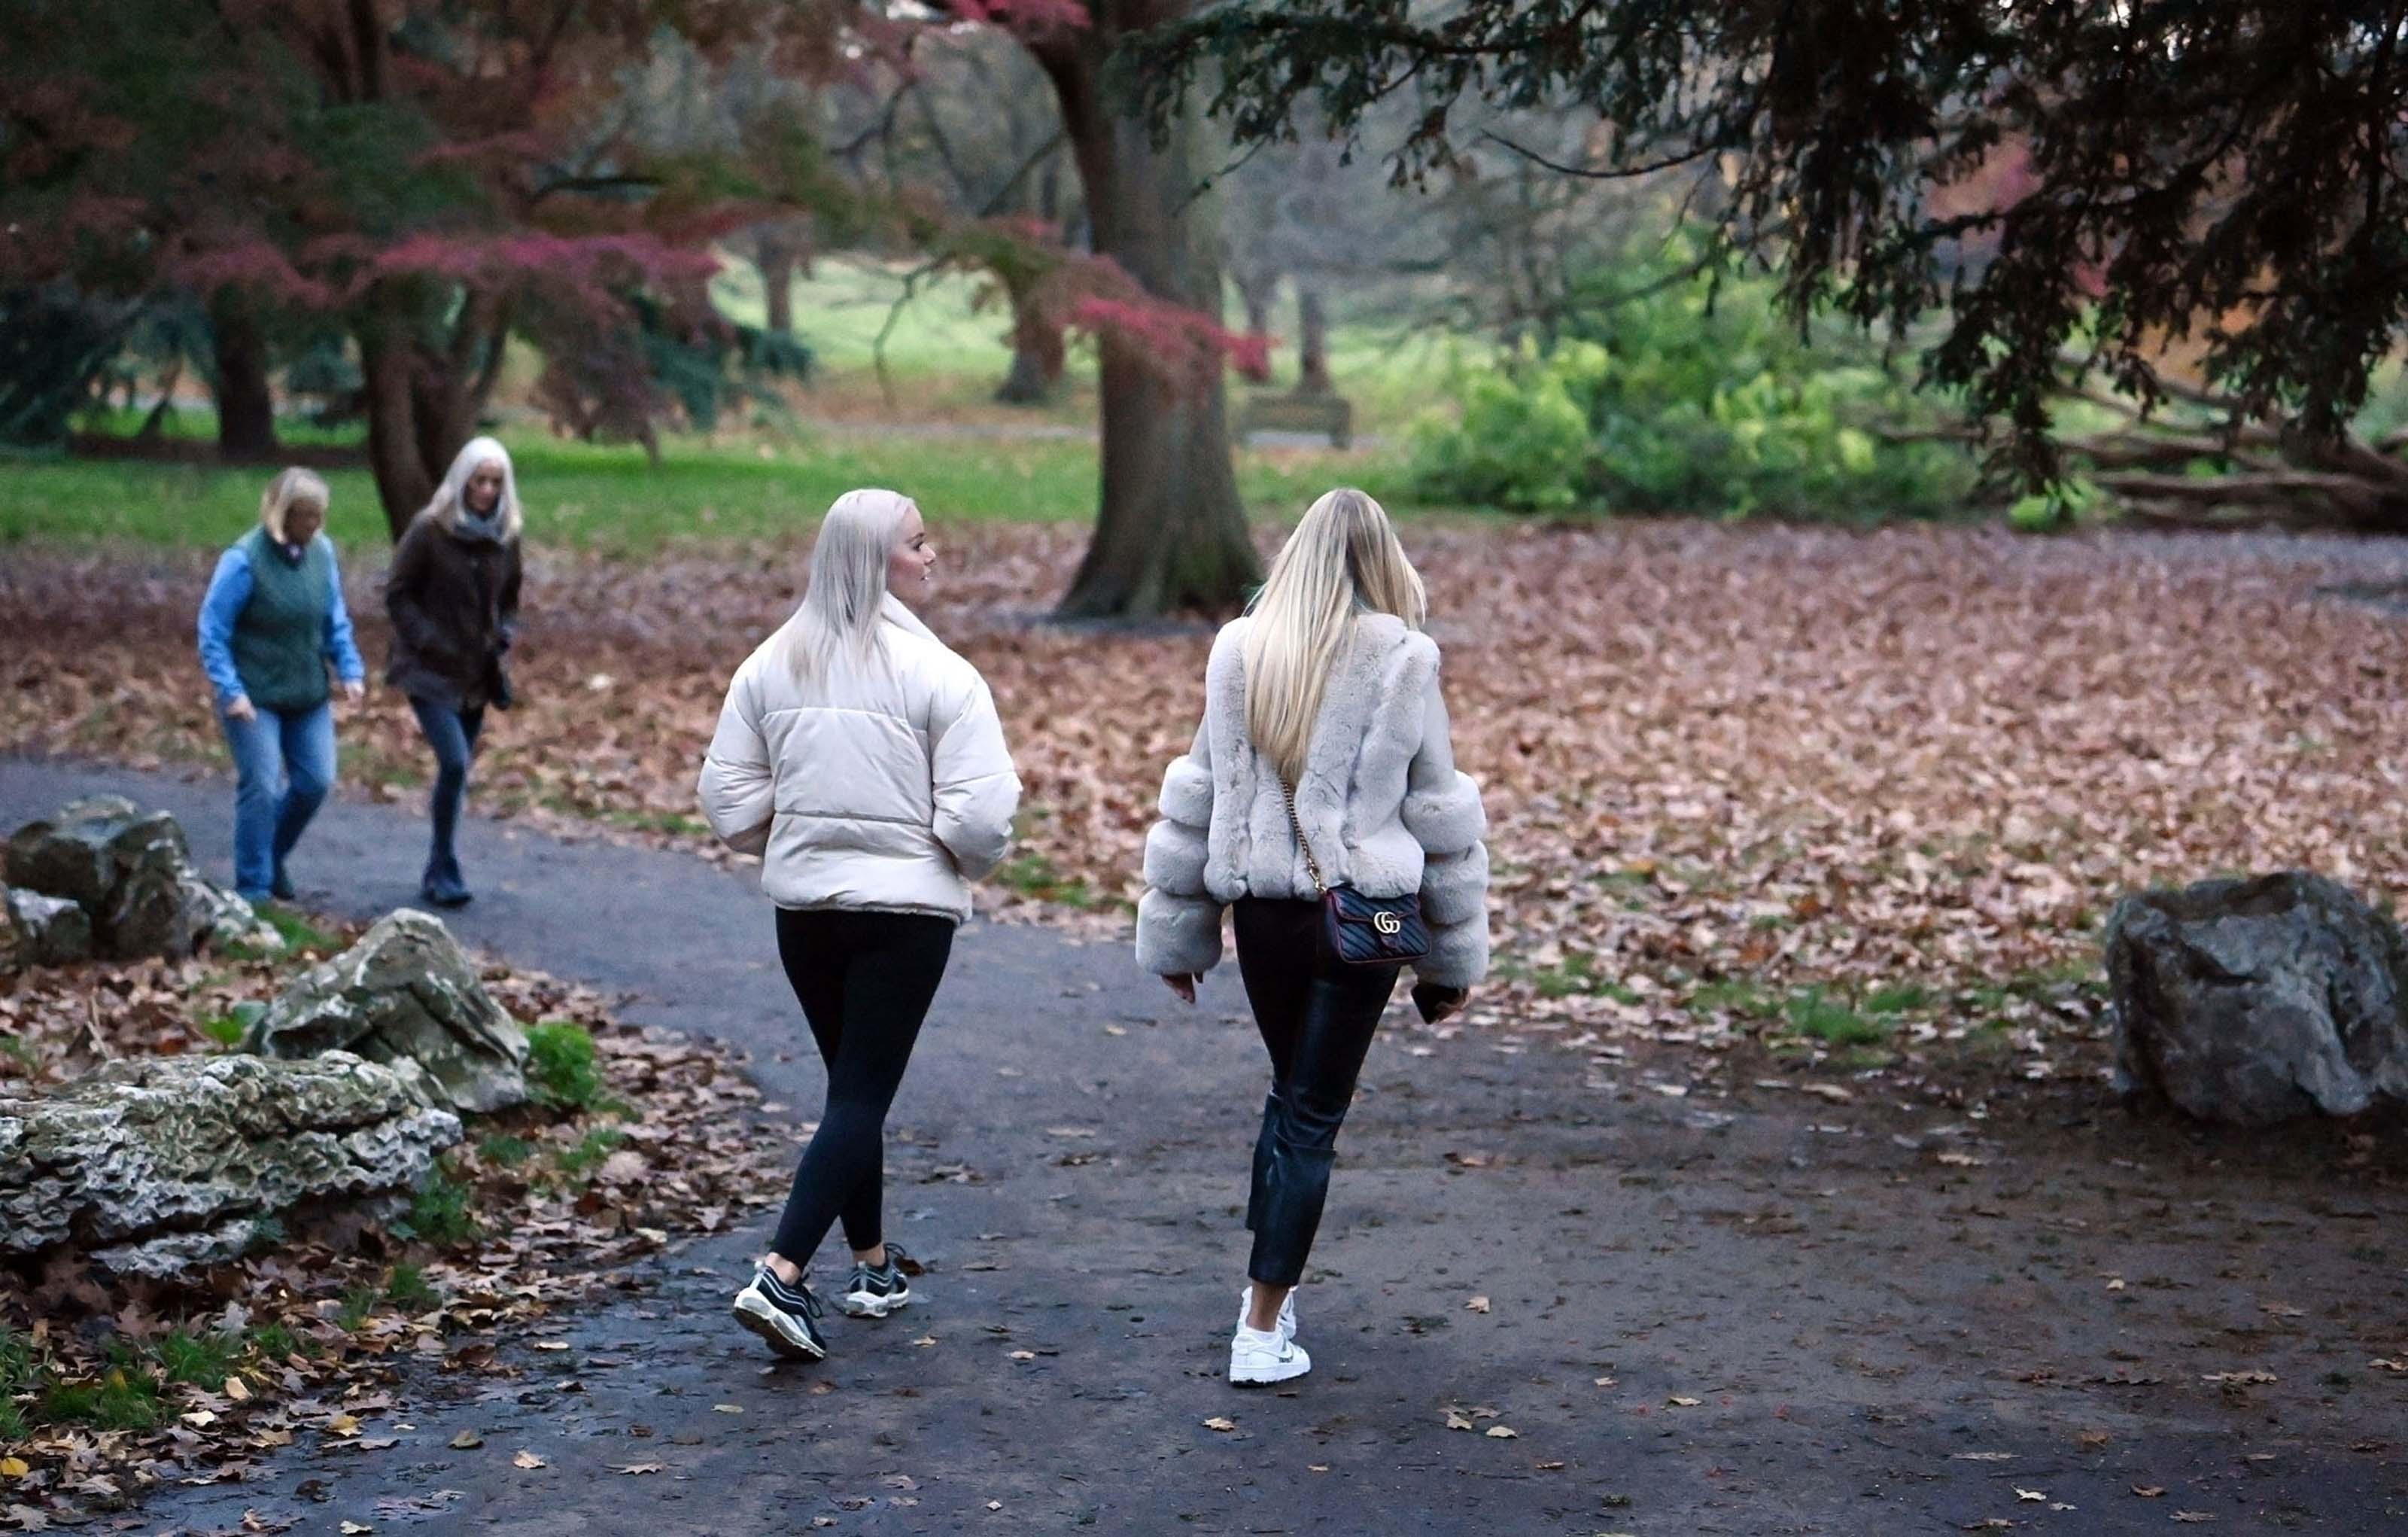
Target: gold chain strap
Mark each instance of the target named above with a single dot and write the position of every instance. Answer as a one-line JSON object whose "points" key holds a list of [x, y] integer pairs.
{"points": [[1312, 865]]}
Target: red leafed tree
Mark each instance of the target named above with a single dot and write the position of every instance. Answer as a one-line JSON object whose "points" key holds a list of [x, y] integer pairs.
{"points": [[437, 174]]}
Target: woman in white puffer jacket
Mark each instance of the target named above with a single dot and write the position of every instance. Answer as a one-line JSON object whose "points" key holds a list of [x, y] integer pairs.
{"points": [[1326, 689], [864, 762]]}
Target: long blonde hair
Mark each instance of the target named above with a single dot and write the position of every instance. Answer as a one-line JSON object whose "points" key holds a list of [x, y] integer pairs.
{"points": [[1342, 560], [446, 504], [841, 608], [290, 488]]}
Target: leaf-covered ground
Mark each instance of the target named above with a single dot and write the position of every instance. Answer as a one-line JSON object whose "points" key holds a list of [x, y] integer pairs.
{"points": [[108, 1388], [1856, 802]]}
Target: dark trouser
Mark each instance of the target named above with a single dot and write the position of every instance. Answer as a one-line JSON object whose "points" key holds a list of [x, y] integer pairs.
{"points": [[452, 732], [865, 981], [1317, 1017]]}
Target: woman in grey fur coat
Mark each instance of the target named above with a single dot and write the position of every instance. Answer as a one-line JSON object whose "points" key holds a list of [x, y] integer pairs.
{"points": [[1327, 689]]}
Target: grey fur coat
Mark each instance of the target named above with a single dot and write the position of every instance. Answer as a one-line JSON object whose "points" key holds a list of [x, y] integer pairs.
{"points": [[1381, 802]]}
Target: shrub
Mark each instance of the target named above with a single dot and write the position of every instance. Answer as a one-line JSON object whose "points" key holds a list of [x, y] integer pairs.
{"points": [[1667, 402], [561, 1066]]}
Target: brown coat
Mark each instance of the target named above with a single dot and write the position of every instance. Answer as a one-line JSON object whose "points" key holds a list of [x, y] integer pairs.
{"points": [[454, 606]]}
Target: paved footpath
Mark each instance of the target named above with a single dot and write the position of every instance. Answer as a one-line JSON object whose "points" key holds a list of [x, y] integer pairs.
{"points": [[1873, 1344]]}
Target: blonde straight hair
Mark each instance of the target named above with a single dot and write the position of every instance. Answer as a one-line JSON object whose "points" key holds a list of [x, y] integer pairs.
{"points": [[290, 488], [842, 605], [1342, 560]]}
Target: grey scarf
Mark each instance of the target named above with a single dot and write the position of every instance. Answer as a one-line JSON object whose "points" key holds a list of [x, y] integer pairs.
{"points": [[488, 529]]}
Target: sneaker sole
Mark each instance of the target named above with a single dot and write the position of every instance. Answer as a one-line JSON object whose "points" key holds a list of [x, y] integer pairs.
{"points": [[1265, 1379], [758, 1315], [868, 1304]]}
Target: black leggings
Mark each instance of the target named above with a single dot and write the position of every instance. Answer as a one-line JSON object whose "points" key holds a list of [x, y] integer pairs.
{"points": [[1317, 1018], [865, 981]]}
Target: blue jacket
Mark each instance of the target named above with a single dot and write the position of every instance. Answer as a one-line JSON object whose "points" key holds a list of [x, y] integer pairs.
{"points": [[229, 590]]}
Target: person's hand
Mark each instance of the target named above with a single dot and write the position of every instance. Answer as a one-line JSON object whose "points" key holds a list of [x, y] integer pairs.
{"points": [[1436, 1003], [356, 690], [241, 710], [1184, 985]]}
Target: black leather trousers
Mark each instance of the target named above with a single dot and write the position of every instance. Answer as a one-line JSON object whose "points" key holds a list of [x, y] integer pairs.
{"points": [[1317, 1018]]}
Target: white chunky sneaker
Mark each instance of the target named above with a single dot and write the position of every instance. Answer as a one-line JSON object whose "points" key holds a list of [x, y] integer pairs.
{"points": [[1259, 1357], [1288, 1310]]}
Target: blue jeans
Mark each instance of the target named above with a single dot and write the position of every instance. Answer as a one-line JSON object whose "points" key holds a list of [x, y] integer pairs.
{"points": [[452, 733], [283, 765]]}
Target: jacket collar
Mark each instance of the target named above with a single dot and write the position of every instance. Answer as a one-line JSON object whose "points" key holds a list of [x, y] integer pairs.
{"points": [[903, 618]]}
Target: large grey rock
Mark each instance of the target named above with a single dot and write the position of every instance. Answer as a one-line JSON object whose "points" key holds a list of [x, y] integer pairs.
{"points": [[39, 930], [2257, 1001], [154, 1165], [405, 993], [132, 874], [70, 854]]}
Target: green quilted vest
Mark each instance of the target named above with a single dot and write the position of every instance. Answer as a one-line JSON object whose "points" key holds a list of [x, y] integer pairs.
{"points": [[279, 638]]}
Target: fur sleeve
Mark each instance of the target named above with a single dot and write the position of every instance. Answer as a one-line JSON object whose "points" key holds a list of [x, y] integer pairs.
{"points": [[1443, 812], [1178, 923]]}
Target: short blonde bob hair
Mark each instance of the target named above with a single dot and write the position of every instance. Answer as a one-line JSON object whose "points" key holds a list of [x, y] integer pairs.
{"points": [[292, 488]]}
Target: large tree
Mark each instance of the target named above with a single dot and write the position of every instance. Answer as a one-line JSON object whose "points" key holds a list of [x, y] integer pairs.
{"points": [[1170, 532], [2221, 182]]}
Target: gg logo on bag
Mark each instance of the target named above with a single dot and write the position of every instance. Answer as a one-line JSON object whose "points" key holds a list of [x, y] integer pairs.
{"points": [[1387, 923]]}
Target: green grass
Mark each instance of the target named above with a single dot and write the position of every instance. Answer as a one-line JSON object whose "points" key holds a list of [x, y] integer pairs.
{"points": [[359, 1303], [1575, 973], [407, 1289], [586, 1156], [1736, 995], [1898, 998], [225, 1030], [945, 350], [300, 934], [508, 1152], [1033, 875], [126, 1396], [613, 500], [275, 1342], [1815, 1015], [205, 1360], [438, 1211], [561, 1067]]}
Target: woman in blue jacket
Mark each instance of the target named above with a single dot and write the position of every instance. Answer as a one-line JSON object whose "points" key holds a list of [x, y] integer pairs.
{"points": [[272, 619]]}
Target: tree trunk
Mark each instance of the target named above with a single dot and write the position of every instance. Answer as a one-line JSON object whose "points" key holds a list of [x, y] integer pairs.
{"points": [[1256, 288], [402, 480], [1170, 534], [777, 262], [1312, 341], [1038, 355], [246, 409], [422, 404]]}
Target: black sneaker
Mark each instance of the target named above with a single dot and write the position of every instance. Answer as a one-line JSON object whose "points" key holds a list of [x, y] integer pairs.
{"points": [[281, 888], [784, 1316], [876, 1293]]}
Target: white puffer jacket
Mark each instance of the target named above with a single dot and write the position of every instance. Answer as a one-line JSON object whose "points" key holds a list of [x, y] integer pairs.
{"points": [[1381, 802], [885, 791]]}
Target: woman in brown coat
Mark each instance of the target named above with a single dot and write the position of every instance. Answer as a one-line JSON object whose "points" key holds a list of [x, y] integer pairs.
{"points": [[454, 598]]}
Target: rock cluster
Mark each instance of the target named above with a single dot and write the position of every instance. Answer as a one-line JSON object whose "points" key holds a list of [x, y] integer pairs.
{"points": [[130, 873], [156, 1165]]}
